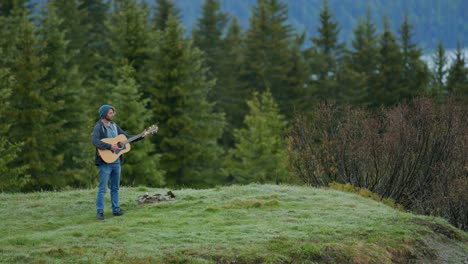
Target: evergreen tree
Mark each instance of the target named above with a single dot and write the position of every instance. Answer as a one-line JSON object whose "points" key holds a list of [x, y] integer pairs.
{"points": [[6, 40], [7, 6], [231, 96], [9, 152], [9, 30], [66, 123], [260, 151], [361, 62], [326, 55], [130, 36], [32, 108], [71, 24], [326, 44], [386, 90], [163, 10], [77, 36], [457, 80], [354, 86], [95, 14], [85, 28], [365, 45], [207, 36], [189, 129], [94, 52], [86, 33], [415, 74], [439, 73], [140, 167], [298, 77], [268, 49]]}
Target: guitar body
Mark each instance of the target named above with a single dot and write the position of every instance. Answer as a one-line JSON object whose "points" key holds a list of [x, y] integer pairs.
{"points": [[110, 156]]}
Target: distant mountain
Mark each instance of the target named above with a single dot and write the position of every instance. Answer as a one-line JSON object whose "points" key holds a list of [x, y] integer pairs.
{"points": [[450, 54], [433, 20]]}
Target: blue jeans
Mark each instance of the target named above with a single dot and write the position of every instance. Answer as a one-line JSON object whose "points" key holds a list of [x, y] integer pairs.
{"points": [[106, 172]]}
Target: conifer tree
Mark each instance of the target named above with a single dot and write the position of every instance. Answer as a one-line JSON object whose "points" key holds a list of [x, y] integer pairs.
{"points": [[66, 123], [365, 45], [415, 74], [298, 78], [326, 55], [260, 151], [140, 167], [81, 49], [163, 10], [386, 90], [189, 129], [76, 34], [268, 49], [231, 96], [75, 31], [207, 36], [8, 151], [10, 172], [94, 53], [95, 15], [6, 43], [86, 32], [457, 80], [353, 85], [8, 30], [7, 6], [361, 62], [439, 73], [32, 109], [130, 37]]}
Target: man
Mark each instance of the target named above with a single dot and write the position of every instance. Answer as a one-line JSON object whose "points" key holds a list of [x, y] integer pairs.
{"points": [[106, 128]]}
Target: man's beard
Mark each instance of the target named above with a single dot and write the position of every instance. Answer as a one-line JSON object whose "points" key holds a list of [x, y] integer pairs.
{"points": [[108, 119]]}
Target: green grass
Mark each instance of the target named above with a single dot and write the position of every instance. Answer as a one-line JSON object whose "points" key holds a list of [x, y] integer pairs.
{"points": [[236, 224]]}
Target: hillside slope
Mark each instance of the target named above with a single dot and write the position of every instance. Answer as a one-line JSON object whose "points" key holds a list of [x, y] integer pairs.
{"points": [[237, 224]]}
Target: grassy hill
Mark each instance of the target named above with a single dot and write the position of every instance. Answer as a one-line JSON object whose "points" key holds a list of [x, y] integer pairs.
{"points": [[237, 224]]}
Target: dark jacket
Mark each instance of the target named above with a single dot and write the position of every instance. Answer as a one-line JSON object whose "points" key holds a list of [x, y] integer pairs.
{"points": [[99, 133]]}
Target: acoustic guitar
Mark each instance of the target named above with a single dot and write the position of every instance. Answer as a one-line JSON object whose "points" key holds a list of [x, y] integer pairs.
{"points": [[123, 144]]}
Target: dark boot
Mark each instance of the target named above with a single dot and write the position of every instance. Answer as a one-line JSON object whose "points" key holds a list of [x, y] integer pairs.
{"points": [[100, 216], [119, 213]]}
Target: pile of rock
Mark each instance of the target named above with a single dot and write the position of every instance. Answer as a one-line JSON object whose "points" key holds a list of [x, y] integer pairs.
{"points": [[146, 198]]}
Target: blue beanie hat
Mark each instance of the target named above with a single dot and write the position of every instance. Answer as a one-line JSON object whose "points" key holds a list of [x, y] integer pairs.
{"points": [[104, 109]]}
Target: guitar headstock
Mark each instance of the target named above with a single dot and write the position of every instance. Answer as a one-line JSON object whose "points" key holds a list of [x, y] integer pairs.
{"points": [[151, 130]]}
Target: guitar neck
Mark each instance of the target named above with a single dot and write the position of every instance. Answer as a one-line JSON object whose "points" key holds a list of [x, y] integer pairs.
{"points": [[133, 138], [150, 130]]}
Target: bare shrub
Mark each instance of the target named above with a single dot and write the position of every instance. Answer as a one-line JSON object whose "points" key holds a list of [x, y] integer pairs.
{"points": [[311, 143], [415, 154]]}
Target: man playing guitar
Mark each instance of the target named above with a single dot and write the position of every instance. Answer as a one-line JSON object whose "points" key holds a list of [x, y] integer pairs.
{"points": [[105, 128]]}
